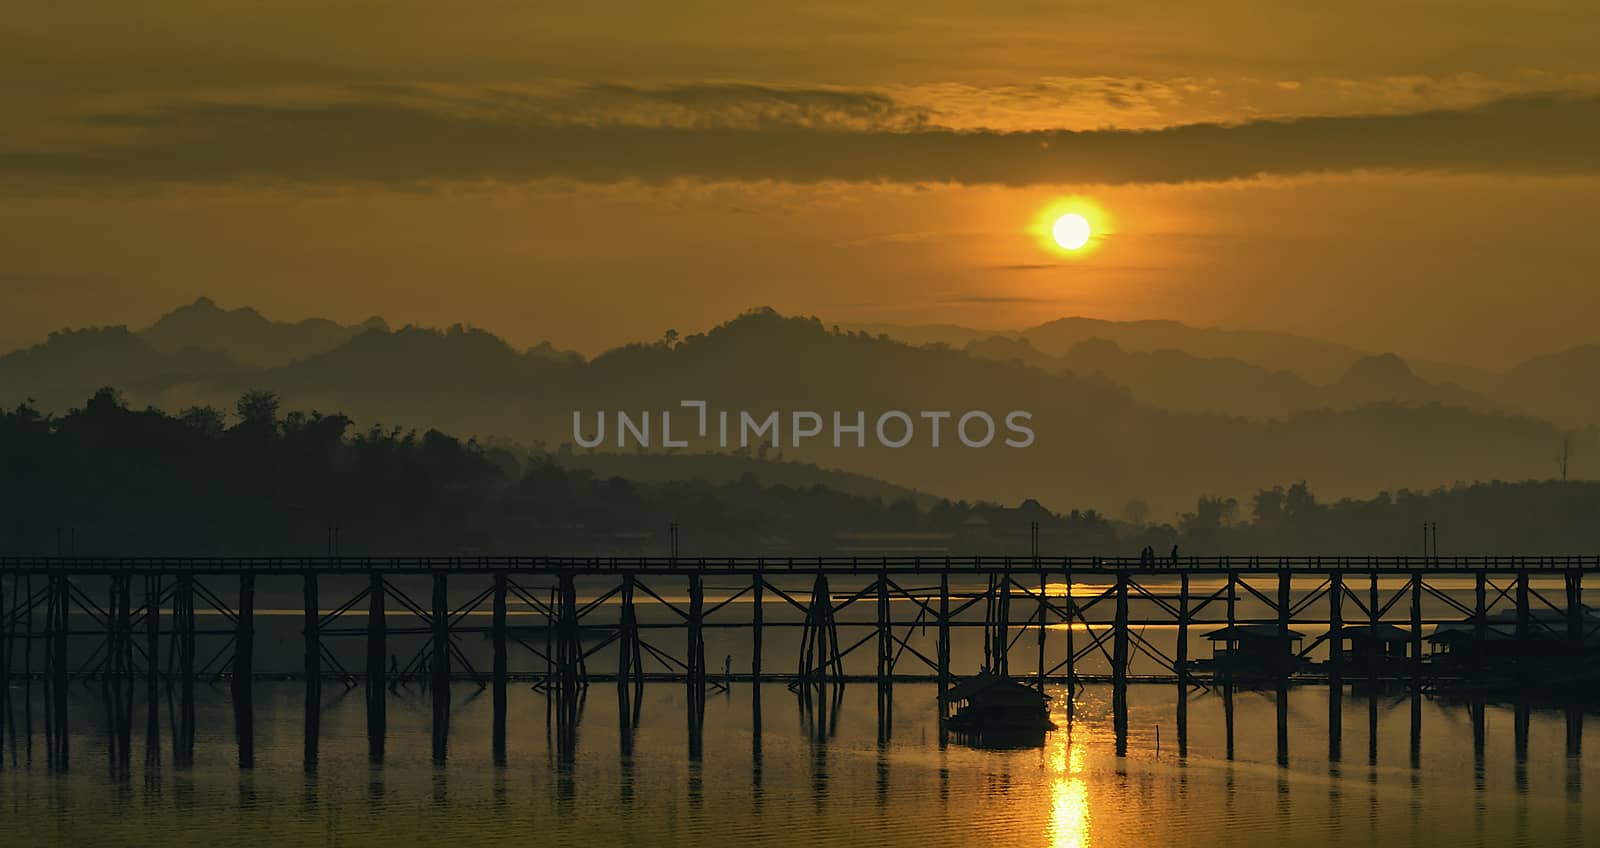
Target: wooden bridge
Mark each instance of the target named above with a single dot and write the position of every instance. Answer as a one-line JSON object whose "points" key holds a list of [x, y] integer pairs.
{"points": [[628, 620], [794, 564]]}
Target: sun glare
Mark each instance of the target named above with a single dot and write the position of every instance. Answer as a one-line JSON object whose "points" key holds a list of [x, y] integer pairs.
{"points": [[1071, 231], [1071, 226]]}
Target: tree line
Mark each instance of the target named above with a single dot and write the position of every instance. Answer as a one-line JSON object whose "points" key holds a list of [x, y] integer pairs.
{"points": [[108, 479]]}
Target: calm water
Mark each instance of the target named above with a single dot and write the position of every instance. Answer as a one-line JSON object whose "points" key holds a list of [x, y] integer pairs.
{"points": [[789, 783]]}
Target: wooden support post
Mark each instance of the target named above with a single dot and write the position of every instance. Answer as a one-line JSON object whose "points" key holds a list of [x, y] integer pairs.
{"points": [[1119, 637], [1281, 690], [695, 650], [6, 723], [550, 621], [1182, 652], [1480, 738], [1480, 618], [944, 638], [757, 587], [1072, 648], [8, 649], [1521, 719], [1575, 609], [696, 660], [1284, 583], [243, 679], [1281, 702], [1374, 654], [440, 664], [1233, 604], [808, 645], [1181, 663], [885, 658], [626, 624], [1042, 621], [820, 601], [1375, 643], [123, 615], [59, 597], [1416, 631], [1524, 618], [497, 631], [152, 688], [989, 663], [1002, 642], [1227, 715], [885, 635], [1119, 667], [1416, 728], [1335, 624], [312, 636], [1524, 623], [27, 664], [183, 623], [112, 674], [1335, 665], [377, 652]]}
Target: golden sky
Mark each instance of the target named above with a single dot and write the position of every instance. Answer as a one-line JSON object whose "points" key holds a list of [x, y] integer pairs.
{"points": [[1410, 176]]}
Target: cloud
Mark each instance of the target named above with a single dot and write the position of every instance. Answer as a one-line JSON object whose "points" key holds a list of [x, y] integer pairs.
{"points": [[987, 299], [799, 137]]}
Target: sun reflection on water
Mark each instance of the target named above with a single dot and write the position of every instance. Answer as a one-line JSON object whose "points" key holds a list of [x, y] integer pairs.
{"points": [[1069, 794]]}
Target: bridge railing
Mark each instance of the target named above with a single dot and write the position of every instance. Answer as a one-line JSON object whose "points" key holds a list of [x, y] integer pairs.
{"points": [[799, 565]]}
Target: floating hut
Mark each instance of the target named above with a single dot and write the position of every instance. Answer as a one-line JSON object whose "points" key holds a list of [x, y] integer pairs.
{"points": [[996, 711], [1362, 644], [1252, 650], [1543, 659]]}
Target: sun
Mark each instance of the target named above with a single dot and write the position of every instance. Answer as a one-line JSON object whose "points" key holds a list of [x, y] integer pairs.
{"points": [[1072, 227], [1071, 231]]}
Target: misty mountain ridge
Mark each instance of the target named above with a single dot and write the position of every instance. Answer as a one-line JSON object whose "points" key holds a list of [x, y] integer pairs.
{"points": [[1178, 380], [1316, 361], [1098, 442], [1557, 386], [247, 336], [56, 372]]}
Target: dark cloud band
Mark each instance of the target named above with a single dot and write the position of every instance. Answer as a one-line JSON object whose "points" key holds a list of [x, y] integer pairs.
{"points": [[400, 143]]}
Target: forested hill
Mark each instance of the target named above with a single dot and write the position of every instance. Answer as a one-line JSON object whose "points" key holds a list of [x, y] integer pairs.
{"points": [[107, 479], [1098, 443]]}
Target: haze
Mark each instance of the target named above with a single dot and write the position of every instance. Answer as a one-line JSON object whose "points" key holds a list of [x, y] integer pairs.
{"points": [[598, 175]]}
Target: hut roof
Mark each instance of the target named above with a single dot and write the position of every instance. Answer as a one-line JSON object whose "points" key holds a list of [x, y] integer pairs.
{"points": [[1497, 629], [989, 683], [1464, 631], [1253, 631], [1386, 632]]}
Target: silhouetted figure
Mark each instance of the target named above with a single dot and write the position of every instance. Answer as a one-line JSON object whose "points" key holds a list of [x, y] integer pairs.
{"points": [[1174, 556], [727, 667], [1147, 556]]}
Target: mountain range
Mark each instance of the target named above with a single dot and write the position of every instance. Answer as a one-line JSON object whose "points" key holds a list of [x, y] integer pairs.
{"points": [[247, 336], [1114, 421]]}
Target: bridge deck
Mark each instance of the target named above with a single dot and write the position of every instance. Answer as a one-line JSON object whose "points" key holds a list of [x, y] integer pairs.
{"points": [[601, 565]]}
